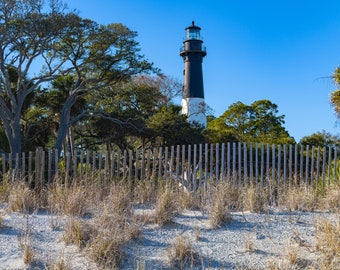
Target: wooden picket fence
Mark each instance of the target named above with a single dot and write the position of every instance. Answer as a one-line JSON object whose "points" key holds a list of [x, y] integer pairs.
{"points": [[193, 165]]}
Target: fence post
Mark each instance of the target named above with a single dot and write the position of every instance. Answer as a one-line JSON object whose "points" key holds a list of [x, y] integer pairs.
{"points": [[194, 178], [284, 165], [256, 164], [251, 173], [100, 163], [323, 169], [166, 163], [318, 171], [234, 164], [112, 156], [217, 163], [273, 165], [178, 152], [75, 164], [107, 167], [290, 173], [142, 174], [200, 166], [49, 168], [172, 161], [262, 165], [87, 166], [136, 166], [245, 161], [211, 163], [279, 167], [222, 162], [301, 164], [329, 164], [206, 159], [267, 164], [296, 164], [160, 157], [307, 166], [130, 165], [39, 168], [30, 173], [228, 162], [239, 165], [335, 164], [81, 166], [312, 167], [189, 176]]}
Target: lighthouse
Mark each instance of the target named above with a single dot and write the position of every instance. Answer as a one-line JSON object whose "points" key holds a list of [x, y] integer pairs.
{"points": [[192, 52]]}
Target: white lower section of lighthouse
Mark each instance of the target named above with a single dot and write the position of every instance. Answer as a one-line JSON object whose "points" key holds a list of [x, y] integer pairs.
{"points": [[195, 109]]}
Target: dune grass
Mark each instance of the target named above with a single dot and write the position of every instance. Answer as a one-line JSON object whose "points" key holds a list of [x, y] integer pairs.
{"points": [[101, 219]]}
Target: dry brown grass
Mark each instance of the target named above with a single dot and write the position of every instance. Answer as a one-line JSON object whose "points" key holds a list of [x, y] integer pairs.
{"points": [[113, 223], [73, 200], [59, 264], [328, 243], [28, 255], [24, 242], [114, 227], [145, 192], [166, 206], [249, 244], [181, 254], [77, 232], [219, 208], [21, 198], [331, 200], [4, 189], [298, 199], [254, 199], [106, 248]]}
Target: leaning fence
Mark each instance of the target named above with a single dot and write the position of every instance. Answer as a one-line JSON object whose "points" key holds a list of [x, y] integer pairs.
{"points": [[194, 166]]}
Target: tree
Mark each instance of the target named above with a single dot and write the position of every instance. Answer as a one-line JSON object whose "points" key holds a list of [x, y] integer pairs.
{"points": [[129, 107], [322, 139], [27, 37], [258, 122], [126, 107], [335, 95], [169, 127], [64, 45]]}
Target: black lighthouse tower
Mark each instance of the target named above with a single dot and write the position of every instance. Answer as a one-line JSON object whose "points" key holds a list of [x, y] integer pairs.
{"points": [[192, 52]]}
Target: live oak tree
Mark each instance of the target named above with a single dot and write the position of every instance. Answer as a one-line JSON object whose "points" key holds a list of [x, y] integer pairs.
{"points": [[62, 44], [168, 127], [322, 139], [131, 104], [26, 37], [258, 122], [125, 108]]}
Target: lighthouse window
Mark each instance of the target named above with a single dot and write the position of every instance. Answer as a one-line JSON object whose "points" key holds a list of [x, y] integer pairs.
{"points": [[193, 33]]}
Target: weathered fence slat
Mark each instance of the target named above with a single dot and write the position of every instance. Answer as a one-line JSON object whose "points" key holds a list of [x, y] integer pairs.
{"points": [[195, 166]]}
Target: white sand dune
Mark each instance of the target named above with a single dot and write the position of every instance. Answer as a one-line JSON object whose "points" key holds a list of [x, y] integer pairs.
{"points": [[249, 240]]}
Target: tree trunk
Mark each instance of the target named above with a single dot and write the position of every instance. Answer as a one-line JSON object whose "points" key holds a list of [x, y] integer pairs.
{"points": [[62, 132]]}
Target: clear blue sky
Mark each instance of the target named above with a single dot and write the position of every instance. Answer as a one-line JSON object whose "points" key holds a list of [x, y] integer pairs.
{"points": [[284, 51]]}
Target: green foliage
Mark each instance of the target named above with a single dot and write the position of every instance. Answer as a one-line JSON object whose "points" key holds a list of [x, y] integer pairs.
{"points": [[169, 127], [136, 112], [258, 122], [322, 139], [335, 95], [78, 57]]}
